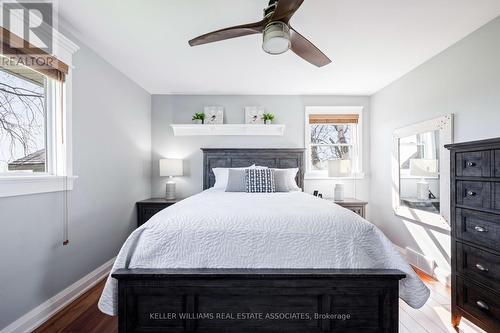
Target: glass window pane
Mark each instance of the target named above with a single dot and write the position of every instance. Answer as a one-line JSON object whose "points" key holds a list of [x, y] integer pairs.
{"points": [[22, 120], [321, 154], [331, 133]]}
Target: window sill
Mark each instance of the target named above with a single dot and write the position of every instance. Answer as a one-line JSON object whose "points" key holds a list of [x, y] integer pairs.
{"points": [[323, 176], [417, 177], [11, 186]]}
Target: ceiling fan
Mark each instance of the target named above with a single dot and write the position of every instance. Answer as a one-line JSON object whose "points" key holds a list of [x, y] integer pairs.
{"points": [[278, 35]]}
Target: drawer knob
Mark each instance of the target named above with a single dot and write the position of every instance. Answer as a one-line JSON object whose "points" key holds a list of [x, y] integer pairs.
{"points": [[471, 193], [480, 229], [482, 305], [481, 268], [471, 164]]}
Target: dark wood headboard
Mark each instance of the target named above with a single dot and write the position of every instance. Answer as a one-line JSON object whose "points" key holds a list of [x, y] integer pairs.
{"points": [[281, 158]]}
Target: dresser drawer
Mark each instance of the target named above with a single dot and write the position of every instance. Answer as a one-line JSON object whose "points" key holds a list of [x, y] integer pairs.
{"points": [[478, 228], [496, 169], [479, 265], [474, 164], [478, 301], [474, 194], [496, 196]]}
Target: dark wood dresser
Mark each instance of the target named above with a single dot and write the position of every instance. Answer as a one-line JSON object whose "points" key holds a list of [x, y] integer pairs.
{"points": [[475, 232]]}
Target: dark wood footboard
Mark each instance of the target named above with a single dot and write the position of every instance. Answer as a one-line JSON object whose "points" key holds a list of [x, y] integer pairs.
{"points": [[258, 300]]}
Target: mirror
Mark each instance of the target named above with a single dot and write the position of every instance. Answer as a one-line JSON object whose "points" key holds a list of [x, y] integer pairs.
{"points": [[421, 171]]}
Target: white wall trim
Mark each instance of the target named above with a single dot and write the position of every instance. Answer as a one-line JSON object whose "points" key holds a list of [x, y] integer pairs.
{"points": [[40, 314], [322, 176], [23, 185], [438, 273]]}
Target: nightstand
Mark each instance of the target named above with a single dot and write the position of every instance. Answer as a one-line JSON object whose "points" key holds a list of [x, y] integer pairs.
{"points": [[357, 206], [147, 208]]}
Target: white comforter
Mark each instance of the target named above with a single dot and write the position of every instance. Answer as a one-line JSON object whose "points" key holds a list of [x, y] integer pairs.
{"points": [[215, 229]]}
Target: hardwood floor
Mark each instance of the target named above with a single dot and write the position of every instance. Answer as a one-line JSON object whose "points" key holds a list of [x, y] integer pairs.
{"points": [[435, 315], [83, 316]]}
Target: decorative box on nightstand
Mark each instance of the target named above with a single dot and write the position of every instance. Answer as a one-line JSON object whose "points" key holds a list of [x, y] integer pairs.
{"points": [[147, 208], [357, 206]]}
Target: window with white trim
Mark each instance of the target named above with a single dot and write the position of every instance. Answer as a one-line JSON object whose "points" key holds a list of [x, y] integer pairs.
{"points": [[31, 122], [332, 133], [35, 117], [23, 121]]}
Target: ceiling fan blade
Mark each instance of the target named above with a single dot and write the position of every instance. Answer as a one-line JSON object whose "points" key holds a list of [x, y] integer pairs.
{"points": [[227, 33], [306, 50], [285, 10]]}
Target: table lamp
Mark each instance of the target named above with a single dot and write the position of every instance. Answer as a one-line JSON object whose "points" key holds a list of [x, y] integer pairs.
{"points": [[424, 168], [339, 168], [170, 167]]}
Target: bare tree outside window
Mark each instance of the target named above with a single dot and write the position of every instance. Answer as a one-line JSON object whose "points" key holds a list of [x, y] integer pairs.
{"points": [[330, 141], [22, 120]]}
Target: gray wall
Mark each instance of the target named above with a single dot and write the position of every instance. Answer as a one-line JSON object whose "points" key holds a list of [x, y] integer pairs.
{"points": [[289, 110], [111, 157], [464, 80]]}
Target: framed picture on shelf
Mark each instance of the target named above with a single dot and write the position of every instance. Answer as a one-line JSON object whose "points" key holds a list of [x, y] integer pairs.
{"points": [[214, 115], [253, 115]]}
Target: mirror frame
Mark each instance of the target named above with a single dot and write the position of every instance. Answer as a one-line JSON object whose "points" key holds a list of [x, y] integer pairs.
{"points": [[444, 125]]}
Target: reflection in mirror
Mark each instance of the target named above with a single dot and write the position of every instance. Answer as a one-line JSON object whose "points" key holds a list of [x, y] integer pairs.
{"points": [[419, 171]]}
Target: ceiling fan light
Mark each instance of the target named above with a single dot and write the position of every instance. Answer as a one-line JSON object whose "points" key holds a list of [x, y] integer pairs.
{"points": [[276, 38]]}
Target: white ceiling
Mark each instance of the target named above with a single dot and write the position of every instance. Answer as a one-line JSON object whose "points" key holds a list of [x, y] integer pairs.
{"points": [[371, 42]]}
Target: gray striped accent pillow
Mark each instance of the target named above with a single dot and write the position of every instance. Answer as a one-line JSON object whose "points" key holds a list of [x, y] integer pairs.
{"points": [[260, 181]]}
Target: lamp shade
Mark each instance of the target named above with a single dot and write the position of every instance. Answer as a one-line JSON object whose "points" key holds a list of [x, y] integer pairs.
{"points": [[339, 168], [170, 167], [424, 167]]}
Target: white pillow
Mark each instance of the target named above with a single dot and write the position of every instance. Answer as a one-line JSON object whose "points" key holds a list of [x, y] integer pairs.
{"points": [[222, 174], [285, 180]]}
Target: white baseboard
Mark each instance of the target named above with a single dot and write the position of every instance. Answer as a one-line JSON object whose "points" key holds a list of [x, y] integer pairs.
{"points": [[443, 276], [425, 264], [40, 314]]}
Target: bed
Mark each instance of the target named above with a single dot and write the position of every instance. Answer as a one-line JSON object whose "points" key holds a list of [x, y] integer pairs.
{"points": [[245, 262]]}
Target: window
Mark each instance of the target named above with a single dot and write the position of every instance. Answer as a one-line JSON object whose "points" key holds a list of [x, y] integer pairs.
{"points": [[332, 133], [23, 121], [35, 117]]}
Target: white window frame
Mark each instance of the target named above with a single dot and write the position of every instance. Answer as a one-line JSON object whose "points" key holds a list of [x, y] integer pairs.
{"points": [[444, 125], [357, 148], [59, 176]]}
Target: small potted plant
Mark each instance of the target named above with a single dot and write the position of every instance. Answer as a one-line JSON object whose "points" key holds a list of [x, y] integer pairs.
{"points": [[268, 118], [199, 118]]}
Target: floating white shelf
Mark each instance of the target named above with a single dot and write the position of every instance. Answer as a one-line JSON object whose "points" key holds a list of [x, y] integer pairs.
{"points": [[227, 129]]}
